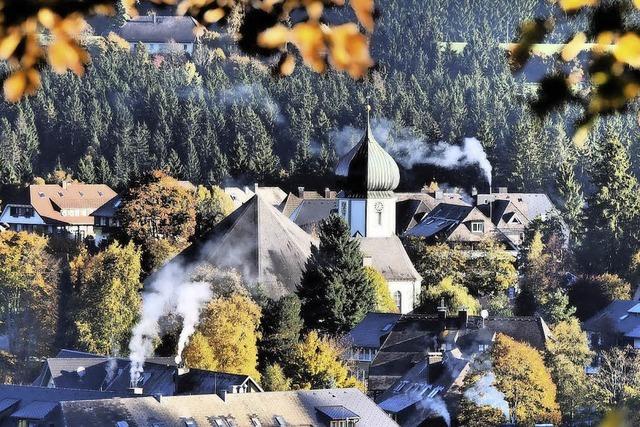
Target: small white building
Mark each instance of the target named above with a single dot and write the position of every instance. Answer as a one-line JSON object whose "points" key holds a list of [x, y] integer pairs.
{"points": [[161, 34], [369, 176]]}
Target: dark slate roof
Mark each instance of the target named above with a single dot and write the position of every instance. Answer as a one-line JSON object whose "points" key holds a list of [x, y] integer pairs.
{"points": [[198, 381], [294, 407], [442, 219], [409, 213], [108, 209], [614, 318], [165, 28], [310, 212], [337, 412], [371, 329], [259, 242], [531, 204], [389, 257], [413, 336], [368, 167], [35, 410]]}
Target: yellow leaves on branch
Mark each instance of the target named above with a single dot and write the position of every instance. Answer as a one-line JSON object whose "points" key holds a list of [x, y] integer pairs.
{"points": [[573, 5], [343, 47]]}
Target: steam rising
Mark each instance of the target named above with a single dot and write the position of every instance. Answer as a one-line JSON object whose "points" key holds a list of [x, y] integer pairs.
{"points": [[410, 150], [110, 368], [434, 407], [484, 393], [169, 292]]}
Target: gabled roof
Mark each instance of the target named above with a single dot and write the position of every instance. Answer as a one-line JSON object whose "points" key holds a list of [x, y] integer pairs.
{"points": [[310, 212], [389, 257], [371, 329], [444, 218], [295, 408], [289, 204], [259, 242], [414, 335], [50, 199], [159, 29], [531, 204], [409, 213], [616, 318]]}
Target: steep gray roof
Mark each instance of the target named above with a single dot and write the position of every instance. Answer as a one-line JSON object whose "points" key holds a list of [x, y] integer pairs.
{"points": [[409, 213], [259, 242], [444, 218], [296, 408], [161, 29], [368, 167], [389, 257], [414, 335], [531, 204], [310, 212], [369, 331], [614, 318]]}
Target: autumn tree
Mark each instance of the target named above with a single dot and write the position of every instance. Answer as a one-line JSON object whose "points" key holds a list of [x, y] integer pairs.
{"points": [[525, 381], [335, 291], [274, 379], [435, 262], [28, 294], [316, 362], [159, 208], [384, 302], [617, 382], [492, 271], [567, 356], [226, 338], [455, 297], [106, 298]]}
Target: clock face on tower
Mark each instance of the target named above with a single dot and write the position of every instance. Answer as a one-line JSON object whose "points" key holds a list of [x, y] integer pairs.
{"points": [[378, 206]]}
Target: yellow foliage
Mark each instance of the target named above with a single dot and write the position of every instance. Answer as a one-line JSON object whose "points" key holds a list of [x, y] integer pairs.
{"points": [[318, 363], [524, 379], [571, 5], [384, 302], [628, 49], [226, 339]]}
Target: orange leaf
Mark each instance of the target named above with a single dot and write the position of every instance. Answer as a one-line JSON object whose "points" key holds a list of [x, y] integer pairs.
{"points": [[274, 37], [9, 43], [309, 40], [214, 15], [14, 86], [364, 12], [628, 49], [287, 65], [571, 5], [349, 50], [573, 48]]}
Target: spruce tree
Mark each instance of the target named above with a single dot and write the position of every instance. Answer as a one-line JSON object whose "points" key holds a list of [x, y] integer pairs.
{"points": [[572, 207], [335, 291], [264, 164], [613, 210], [239, 161], [281, 326]]}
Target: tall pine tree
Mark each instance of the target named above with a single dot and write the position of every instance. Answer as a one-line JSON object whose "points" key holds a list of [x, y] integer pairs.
{"points": [[335, 291]]}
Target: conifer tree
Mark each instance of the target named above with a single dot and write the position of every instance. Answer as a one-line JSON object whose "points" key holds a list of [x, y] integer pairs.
{"points": [[335, 291], [573, 201], [281, 326], [239, 161], [264, 163], [86, 170]]}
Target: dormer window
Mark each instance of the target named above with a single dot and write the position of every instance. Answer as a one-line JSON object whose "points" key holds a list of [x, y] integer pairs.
{"points": [[477, 227]]}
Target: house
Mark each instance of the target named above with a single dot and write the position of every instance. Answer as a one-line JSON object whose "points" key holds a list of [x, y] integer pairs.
{"points": [[161, 34], [28, 406], [365, 339], [257, 241], [368, 176], [425, 358], [327, 408], [308, 208], [532, 205], [67, 209], [465, 226], [618, 324], [86, 371]]}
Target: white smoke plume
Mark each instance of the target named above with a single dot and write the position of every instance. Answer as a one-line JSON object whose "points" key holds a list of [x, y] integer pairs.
{"points": [[110, 368], [168, 292], [432, 407], [410, 150], [484, 393]]}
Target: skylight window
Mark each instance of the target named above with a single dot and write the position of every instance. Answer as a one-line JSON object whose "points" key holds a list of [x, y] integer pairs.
{"points": [[280, 422], [255, 422]]}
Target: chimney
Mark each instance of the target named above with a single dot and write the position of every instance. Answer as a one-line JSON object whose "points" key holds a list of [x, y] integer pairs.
{"points": [[65, 184], [327, 193], [435, 366], [442, 310], [153, 16], [503, 190], [439, 195], [463, 318], [255, 188], [135, 391], [474, 191], [301, 192]]}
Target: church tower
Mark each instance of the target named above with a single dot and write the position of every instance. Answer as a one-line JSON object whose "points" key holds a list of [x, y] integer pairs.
{"points": [[368, 175]]}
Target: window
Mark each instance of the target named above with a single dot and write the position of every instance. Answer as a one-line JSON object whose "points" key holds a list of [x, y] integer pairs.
{"points": [[280, 422], [255, 422], [397, 298], [483, 347], [379, 218], [190, 422], [477, 227]]}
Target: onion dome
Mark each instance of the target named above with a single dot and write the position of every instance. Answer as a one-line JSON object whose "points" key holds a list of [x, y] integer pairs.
{"points": [[367, 166]]}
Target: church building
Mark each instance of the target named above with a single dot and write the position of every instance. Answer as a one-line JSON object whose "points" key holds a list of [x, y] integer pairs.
{"points": [[368, 176]]}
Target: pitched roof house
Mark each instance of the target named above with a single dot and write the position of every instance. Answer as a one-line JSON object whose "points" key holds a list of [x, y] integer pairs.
{"points": [[263, 245], [86, 371], [440, 346], [326, 408], [52, 208], [615, 325], [161, 34]]}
